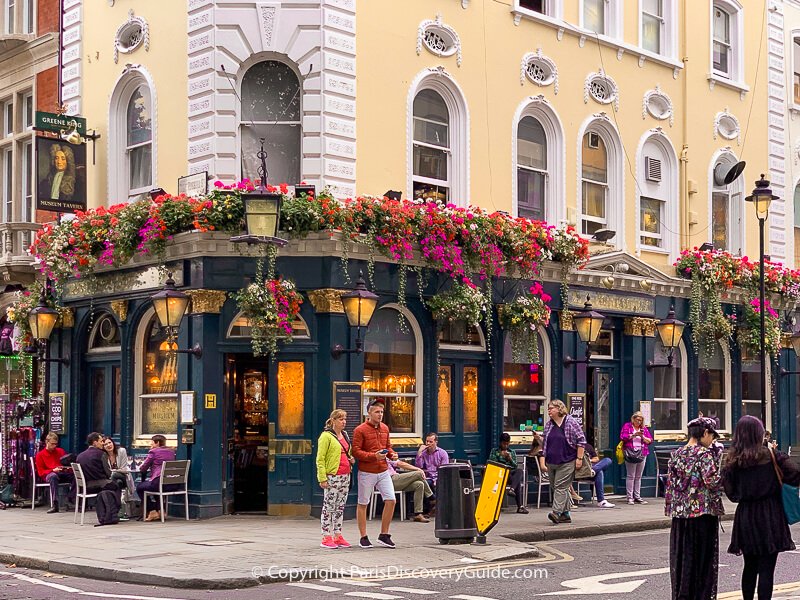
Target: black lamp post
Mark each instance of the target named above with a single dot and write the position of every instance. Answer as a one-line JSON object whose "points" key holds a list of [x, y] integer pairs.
{"points": [[359, 306], [170, 305], [587, 324], [761, 198], [670, 330]]}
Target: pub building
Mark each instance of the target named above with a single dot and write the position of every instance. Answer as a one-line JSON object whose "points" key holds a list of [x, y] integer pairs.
{"points": [[250, 424]]}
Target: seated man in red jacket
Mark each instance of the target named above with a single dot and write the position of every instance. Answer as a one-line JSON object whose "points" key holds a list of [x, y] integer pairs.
{"points": [[49, 468]]}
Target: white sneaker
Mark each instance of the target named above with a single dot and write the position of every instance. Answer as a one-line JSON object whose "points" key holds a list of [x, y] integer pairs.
{"points": [[605, 504]]}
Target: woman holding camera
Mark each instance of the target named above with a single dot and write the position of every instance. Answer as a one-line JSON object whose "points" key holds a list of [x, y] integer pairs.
{"points": [[636, 438]]}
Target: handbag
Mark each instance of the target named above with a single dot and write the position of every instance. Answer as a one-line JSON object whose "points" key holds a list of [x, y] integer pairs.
{"points": [[585, 471], [620, 452], [790, 495]]}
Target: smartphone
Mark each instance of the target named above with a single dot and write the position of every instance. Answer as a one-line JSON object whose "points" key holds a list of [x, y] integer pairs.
{"points": [[384, 451]]}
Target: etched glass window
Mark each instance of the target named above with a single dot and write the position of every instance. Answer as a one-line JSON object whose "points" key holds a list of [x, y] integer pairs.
{"points": [[271, 110], [159, 401]]}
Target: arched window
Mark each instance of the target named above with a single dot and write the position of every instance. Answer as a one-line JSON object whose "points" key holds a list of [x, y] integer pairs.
{"points": [[132, 136], [438, 144], [240, 328], [594, 179], [670, 389], [157, 382], [526, 388], [271, 99], [431, 147], [393, 369], [726, 207], [105, 335], [531, 169], [658, 193], [714, 387]]}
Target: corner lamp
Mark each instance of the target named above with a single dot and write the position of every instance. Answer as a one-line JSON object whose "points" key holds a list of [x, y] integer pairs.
{"points": [[670, 330], [42, 320], [170, 305], [588, 325], [359, 306]]}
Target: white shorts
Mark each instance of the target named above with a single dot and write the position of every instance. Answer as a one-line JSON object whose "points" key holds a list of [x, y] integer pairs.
{"points": [[370, 481]]}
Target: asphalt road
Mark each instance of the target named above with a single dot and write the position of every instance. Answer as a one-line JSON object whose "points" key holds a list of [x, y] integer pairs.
{"points": [[610, 567]]}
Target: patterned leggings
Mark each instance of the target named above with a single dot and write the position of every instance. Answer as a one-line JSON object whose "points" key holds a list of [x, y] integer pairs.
{"points": [[333, 504]]}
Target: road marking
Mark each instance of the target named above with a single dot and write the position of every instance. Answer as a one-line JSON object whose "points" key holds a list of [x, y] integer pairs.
{"points": [[374, 595], [782, 587], [596, 585], [405, 590], [357, 583], [465, 597], [72, 590], [314, 586]]}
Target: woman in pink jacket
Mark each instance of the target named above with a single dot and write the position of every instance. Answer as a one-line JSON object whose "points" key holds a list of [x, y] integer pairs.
{"points": [[636, 438]]}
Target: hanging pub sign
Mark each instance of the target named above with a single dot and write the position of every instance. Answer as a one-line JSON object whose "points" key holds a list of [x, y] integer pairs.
{"points": [[56, 411], [46, 121], [60, 175]]}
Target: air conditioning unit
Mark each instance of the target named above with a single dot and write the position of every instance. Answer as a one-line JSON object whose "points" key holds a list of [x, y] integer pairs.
{"points": [[652, 169]]}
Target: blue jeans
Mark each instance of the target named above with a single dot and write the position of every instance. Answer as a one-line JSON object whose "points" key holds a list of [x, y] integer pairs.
{"points": [[599, 477]]}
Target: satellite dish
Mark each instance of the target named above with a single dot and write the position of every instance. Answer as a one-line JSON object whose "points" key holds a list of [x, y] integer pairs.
{"points": [[734, 172]]}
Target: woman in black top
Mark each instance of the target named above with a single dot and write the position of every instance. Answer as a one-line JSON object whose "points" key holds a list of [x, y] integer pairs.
{"points": [[760, 529]]}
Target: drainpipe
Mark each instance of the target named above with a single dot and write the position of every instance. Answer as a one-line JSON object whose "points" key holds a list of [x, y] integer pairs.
{"points": [[684, 206], [60, 49]]}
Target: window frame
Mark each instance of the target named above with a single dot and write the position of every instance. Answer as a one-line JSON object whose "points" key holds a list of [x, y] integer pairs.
{"points": [[28, 16], [28, 162], [795, 71], [735, 200], [669, 29], [735, 12], [664, 191], [612, 19], [10, 16], [768, 424], [552, 8], [727, 426], [683, 393], [445, 149], [546, 359]]}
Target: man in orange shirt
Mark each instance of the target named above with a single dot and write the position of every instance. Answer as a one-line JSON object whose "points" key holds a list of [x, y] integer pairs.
{"points": [[49, 468], [371, 448]]}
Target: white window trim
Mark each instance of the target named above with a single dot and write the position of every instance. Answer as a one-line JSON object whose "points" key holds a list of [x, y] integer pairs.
{"points": [[27, 210], [140, 437], [118, 178], [615, 209], [440, 81], [738, 236], [27, 5], [555, 209], [418, 395], [554, 9], [735, 78], [670, 230], [727, 426], [684, 393], [546, 362], [613, 19], [669, 31], [794, 34]]}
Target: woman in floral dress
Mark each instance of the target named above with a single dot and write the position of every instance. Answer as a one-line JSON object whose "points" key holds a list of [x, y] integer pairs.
{"points": [[693, 499]]}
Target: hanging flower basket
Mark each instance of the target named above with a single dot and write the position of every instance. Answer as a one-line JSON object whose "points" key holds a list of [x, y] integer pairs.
{"points": [[463, 302], [270, 308], [749, 333], [522, 319]]}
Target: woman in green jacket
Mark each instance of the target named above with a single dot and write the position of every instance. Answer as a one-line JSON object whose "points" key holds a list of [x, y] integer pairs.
{"points": [[334, 463]]}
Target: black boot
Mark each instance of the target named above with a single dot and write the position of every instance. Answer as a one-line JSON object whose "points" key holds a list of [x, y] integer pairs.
{"points": [[54, 509]]}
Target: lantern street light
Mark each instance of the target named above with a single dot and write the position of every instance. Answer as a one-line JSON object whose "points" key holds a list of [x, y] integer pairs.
{"points": [[359, 306], [670, 330], [170, 305], [761, 198], [587, 324]]}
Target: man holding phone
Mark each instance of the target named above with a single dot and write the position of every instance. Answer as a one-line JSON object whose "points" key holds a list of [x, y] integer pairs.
{"points": [[371, 448]]}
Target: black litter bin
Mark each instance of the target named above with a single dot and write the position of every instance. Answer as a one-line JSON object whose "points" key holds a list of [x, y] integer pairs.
{"points": [[455, 504]]}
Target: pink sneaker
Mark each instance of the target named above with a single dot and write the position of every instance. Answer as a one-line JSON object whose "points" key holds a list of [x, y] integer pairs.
{"points": [[341, 542], [328, 542]]}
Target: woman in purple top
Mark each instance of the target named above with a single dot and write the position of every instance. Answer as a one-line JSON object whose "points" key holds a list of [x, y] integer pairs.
{"points": [[155, 460], [636, 438], [563, 449]]}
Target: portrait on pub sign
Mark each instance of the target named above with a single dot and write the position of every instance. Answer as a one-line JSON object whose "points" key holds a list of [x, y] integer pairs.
{"points": [[60, 175]]}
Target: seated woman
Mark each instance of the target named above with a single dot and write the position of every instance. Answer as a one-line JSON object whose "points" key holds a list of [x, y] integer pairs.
{"points": [[158, 455], [120, 473]]}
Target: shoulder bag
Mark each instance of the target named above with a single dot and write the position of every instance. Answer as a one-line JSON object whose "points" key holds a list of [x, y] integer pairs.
{"points": [[789, 494], [585, 470]]}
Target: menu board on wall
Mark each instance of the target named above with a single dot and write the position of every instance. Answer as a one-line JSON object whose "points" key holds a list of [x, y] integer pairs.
{"points": [[56, 411], [576, 404], [347, 396]]}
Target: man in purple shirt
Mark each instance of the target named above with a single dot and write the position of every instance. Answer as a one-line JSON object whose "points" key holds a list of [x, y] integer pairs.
{"points": [[429, 458], [158, 454]]}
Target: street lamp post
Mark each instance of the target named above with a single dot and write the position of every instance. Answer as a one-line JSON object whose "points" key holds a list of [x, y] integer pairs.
{"points": [[761, 198]]}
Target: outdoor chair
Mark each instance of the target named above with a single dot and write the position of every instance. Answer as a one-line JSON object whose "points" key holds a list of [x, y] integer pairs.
{"points": [[173, 473], [81, 496], [37, 483], [401, 501], [544, 481], [662, 468]]}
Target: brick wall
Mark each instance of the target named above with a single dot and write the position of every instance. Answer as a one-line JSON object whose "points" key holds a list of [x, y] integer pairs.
{"points": [[49, 12]]}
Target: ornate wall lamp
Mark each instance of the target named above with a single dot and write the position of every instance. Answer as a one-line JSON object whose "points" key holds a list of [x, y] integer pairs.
{"points": [[587, 324], [359, 306], [670, 330], [42, 319], [170, 305]]}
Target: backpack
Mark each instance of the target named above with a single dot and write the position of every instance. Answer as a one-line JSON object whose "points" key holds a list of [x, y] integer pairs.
{"points": [[107, 507]]}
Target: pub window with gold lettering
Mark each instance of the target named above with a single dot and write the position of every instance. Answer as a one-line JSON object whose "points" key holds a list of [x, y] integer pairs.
{"points": [[159, 400]]}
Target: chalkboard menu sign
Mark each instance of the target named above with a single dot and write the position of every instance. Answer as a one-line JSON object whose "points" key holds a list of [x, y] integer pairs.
{"points": [[56, 412], [576, 404], [347, 396]]}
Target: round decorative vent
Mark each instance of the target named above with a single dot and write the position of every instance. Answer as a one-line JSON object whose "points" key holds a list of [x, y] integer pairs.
{"points": [[726, 125], [538, 69], [601, 88], [658, 105], [440, 39], [130, 35]]}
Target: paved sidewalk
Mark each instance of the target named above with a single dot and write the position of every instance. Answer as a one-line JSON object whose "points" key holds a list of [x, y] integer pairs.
{"points": [[241, 551]]}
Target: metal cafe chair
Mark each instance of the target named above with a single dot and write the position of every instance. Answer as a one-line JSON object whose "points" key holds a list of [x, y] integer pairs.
{"points": [[173, 472], [81, 496], [37, 483]]}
